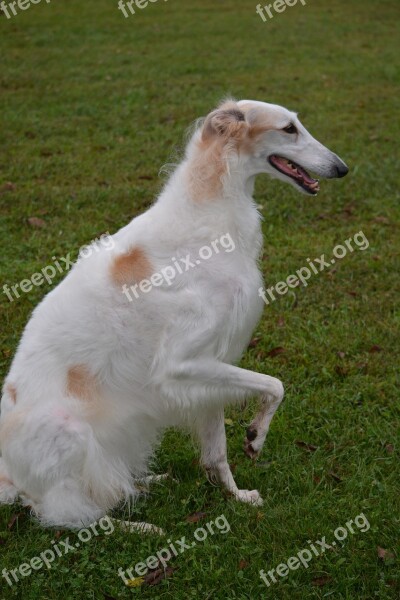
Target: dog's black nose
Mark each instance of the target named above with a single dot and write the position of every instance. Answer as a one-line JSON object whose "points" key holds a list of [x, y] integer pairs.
{"points": [[342, 170]]}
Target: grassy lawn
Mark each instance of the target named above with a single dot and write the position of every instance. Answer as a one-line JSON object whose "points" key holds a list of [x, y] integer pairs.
{"points": [[92, 105]]}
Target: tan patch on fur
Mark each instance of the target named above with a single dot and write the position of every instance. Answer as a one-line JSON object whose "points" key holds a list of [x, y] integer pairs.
{"points": [[85, 386], [11, 422], [131, 267], [12, 391], [81, 383], [5, 480]]}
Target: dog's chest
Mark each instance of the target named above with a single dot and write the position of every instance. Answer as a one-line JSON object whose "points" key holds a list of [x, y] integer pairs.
{"points": [[238, 306]]}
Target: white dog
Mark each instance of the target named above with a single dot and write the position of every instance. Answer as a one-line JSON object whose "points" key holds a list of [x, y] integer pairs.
{"points": [[145, 336]]}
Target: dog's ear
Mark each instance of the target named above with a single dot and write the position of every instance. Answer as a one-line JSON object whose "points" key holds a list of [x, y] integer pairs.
{"points": [[224, 123]]}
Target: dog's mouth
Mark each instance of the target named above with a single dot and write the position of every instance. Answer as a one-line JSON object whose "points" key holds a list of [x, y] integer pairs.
{"points": [[295, 172]]}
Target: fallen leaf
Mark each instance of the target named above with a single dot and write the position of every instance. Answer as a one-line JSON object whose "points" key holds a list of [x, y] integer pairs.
{"points": [[354, 294], [275, 351], [14, 519], [155, 577], [243, 564], [135, 582], [375, 348], [349, 209], [36, 222], [384, 554], [281, 322], [58, 534], [362, 366], [306, 446], [341, 354], [381, 219], [341, 371], [254, 342], [196, 517], [317, 479], [321, 581], [8, 186]]}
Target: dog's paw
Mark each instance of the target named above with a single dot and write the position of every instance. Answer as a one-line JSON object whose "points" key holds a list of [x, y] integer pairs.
{"points": [[250, 497], [249, 450], [253, 442]]}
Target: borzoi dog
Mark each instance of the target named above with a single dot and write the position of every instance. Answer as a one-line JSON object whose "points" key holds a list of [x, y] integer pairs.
{"points": [[100, 373]]}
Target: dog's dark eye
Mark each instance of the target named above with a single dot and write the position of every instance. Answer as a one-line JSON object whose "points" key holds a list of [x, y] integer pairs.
{"points": [[290, 128]]}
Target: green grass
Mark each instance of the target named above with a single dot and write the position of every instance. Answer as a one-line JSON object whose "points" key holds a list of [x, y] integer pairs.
{"points": [[92, 105]]}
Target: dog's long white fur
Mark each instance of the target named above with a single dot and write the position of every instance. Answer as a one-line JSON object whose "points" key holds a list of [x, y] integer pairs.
{"points": [[97, 378]]}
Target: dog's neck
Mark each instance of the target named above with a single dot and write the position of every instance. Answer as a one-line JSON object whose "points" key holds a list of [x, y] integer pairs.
{"points": [[199, 205]]}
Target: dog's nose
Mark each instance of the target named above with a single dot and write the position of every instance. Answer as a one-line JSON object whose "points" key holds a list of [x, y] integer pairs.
{"points": [[342, 169]]}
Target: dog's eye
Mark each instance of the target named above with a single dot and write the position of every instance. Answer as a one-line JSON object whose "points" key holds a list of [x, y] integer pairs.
{"points": [[290, 128]]}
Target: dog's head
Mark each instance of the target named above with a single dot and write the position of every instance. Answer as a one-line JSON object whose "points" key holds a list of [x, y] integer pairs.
{"points": [[272, 140]]}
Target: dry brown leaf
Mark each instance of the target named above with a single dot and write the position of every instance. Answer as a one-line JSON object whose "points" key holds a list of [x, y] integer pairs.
{"points": [[8, 186], [14, 518], [254, 342], [276, 351], [243, 564], [156, 577], [196, 517], [36, 222], [384, 554], [375, 348], [321, 581], [306, 446], [342, 371]]}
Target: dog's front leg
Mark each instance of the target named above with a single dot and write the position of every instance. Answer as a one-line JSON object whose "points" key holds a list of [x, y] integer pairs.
{"points": [[203, 385], [258, 428], [210, 430]]}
